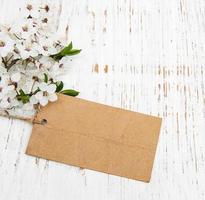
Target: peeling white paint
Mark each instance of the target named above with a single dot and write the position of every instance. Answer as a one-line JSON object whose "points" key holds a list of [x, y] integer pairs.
{"points": [[155, 56]]}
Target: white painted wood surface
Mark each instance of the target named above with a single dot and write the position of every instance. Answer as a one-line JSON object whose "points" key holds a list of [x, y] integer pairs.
{"points": [[146, 56]]}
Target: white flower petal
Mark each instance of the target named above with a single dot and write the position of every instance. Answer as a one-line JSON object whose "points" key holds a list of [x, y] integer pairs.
{"points": [[51, 88], [12, 94], [46, 61], [15, 102], [4, 104], [7, 44], [52, 97], [43, 101], [27, 106], [33, 100], [15, 77], [43, 86], [3, 53], [10, 87], [39, 95]]}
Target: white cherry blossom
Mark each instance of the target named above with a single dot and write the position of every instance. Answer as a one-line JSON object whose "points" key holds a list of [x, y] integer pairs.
{"points": [[6, 44], [27, 49], [24, 28], [7, 94], [46, 46], [45, 62], [31, 10], [15, 77], [29, 71], [46, 94]]}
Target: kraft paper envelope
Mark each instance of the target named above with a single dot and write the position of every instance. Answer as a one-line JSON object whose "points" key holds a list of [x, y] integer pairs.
{"points": [[95, 136]]}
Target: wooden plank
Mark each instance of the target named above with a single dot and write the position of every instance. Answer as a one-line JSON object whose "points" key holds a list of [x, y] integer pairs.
{"points": [[147, 56]]}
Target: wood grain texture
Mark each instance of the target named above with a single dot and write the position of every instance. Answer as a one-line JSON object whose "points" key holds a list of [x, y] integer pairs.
{"points": [[146, 56]]}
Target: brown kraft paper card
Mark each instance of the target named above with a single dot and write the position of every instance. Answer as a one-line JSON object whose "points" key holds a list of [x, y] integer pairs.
{"points": [[95, 136]]}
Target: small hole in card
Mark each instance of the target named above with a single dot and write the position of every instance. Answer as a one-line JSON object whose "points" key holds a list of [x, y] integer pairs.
{"points": [[44, 121]]}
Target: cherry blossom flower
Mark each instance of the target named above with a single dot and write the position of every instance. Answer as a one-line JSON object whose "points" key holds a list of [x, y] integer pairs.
{"points": [[15, 77], [45, 62], [32, 10], [7, 94], [47, 46], [24, 28], [27, 49], [6, 44], [32, 58], [46, 94]]}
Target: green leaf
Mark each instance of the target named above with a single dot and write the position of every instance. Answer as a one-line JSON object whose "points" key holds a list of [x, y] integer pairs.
{"points": [[73, 52], [59, 86], [23, 96], [25, 99], [45, 78], [70, 45], [67, 51], [22, 93], [70, 92]]}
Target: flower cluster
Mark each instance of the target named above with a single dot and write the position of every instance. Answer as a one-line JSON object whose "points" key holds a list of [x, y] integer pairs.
{"points": [[31, 60]]}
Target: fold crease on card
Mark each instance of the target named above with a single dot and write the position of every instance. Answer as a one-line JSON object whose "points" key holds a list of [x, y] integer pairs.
{"points": [[95, 136]]}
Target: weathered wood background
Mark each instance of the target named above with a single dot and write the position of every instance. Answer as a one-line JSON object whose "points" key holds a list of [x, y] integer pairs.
{"points": [[146, 56]]}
